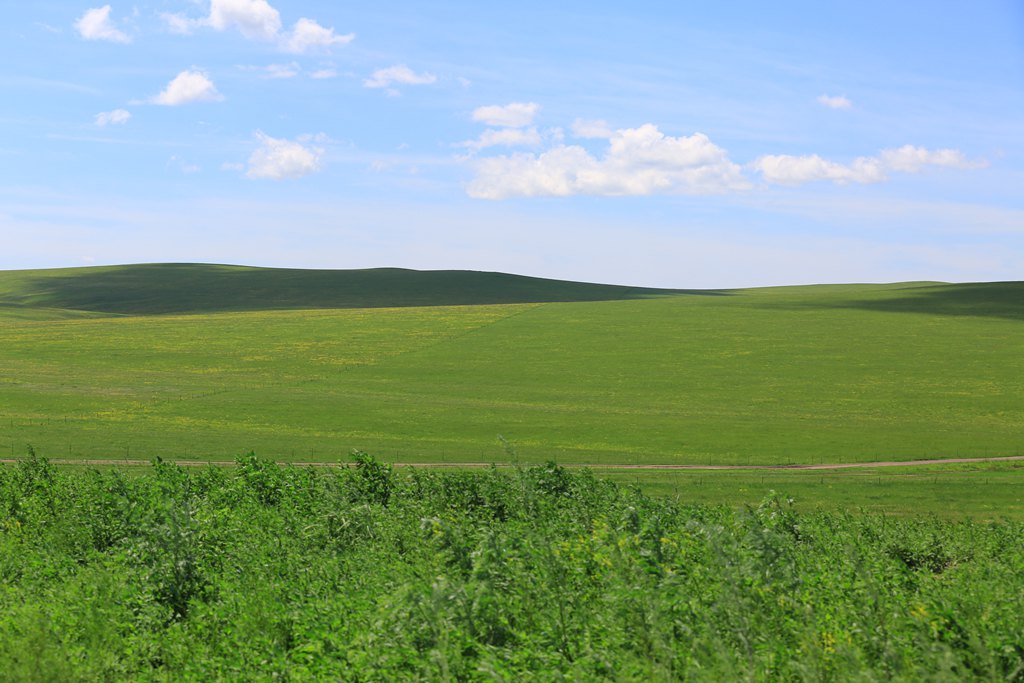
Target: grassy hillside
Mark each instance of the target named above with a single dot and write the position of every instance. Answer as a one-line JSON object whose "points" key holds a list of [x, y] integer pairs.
{"points": [[798, 374], [151, 289]]}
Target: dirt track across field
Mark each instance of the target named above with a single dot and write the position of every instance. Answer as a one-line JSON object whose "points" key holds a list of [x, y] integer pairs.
{"points": [[594, 466]]}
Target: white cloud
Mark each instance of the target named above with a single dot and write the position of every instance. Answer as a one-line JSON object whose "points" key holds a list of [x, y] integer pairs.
{"points": [[506, 137], [95, 24], [834, 101], [308, 35], [290, 70], [254, 18], [794, 170], [189, 86], [278, 159], [514, 115], [910, 159], [176, 23], [639, 161], [583, 128], [118, 116], [398, 74], [259, 20], [324, 73]]}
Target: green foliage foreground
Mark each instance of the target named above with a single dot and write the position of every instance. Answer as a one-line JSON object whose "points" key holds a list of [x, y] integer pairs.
{"points": [[262, 571]]}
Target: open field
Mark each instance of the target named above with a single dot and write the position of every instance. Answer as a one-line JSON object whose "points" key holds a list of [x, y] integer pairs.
{"points": [[772, 376], [985, 493]]}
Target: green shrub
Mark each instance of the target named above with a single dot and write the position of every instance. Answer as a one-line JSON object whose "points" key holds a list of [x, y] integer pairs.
{"points": [[362, 573]]}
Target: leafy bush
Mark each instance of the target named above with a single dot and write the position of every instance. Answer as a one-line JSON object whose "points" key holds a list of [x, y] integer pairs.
{"points": [[362, 573]]}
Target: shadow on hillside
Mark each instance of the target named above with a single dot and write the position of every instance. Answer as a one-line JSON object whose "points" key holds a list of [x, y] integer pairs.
{"points": [[983, 299], [200, 288]]}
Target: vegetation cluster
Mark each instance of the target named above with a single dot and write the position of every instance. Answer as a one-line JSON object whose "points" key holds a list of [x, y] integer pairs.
{"points": [[358, 573]]}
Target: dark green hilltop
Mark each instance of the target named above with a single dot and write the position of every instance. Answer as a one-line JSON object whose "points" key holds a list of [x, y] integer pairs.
{"points": [[169, 288], [148, 289]]}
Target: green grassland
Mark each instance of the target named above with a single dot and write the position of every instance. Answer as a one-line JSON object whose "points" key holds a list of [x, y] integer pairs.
{"points": [[186, 362], [982, 492], [808, 374], [364, 572], [263, 572]]}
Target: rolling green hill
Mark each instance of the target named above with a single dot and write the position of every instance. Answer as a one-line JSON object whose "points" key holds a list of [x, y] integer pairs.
{"points": [[150, 289], [187, 361]]}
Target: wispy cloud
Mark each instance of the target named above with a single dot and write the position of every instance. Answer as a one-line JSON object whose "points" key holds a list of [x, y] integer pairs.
{"points": [[146, 142], [795, 170], [834, 101], [184, 166], [400, 74], [47, 27], [513, 115], [116, 117], [583, 128], [48, 83], [321, 74], [288, 70], [505, 137], [276, 71], [177, 23]]}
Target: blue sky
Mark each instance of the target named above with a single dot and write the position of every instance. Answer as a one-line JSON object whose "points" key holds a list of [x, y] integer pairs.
{"points": [[673, 144]]}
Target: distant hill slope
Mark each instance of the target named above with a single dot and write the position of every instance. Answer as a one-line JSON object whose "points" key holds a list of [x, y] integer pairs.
{"points": [[974, 299], [199, 288], [167, 288]]}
